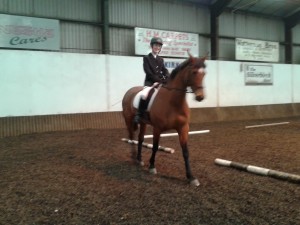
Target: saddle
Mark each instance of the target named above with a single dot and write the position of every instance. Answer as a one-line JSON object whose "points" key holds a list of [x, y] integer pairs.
{"points": [[148, 94]]}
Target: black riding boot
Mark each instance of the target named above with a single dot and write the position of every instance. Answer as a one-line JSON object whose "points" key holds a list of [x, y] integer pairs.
{"points": [[141, 110]]}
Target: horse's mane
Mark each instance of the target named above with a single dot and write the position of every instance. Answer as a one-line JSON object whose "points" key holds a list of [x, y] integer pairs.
{"points": [[199, 63], [179, 67]]}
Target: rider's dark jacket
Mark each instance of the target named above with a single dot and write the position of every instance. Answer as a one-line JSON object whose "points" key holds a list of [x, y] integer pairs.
{"points": [[155, 70]]}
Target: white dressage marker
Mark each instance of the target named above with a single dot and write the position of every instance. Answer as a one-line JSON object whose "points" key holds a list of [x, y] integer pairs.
{"points": [[146, 145], [259, 170], [268, 124], [175, 134]]}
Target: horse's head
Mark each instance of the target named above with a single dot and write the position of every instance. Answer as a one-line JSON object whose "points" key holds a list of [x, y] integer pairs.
{"points": [[195, 76], [189, 73]]}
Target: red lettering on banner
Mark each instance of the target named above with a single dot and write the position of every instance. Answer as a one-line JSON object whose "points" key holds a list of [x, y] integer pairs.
{"points": [[27, 31], [148, 33]]}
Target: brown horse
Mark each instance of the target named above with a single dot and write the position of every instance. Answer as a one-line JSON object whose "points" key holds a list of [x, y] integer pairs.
{"points": [[169, 110]]}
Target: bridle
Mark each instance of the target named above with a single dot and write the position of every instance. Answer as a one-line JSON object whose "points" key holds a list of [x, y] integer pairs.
{"points": [[186, 81]]}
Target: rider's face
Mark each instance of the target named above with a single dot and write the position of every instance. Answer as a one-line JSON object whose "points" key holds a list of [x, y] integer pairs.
{"points": [[156, 48]]}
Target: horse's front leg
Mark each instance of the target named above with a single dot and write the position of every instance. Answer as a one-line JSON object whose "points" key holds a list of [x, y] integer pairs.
{"points": [[183, 139], [156, 137], [140, 144]]}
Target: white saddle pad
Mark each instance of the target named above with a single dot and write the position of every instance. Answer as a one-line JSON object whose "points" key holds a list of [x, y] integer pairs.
{"points": [[144, 93]]}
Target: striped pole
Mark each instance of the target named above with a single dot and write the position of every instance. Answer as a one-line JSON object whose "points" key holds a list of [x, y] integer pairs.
{"points": [[175, 134], [259, 170], [146, 145], [268, 124]]}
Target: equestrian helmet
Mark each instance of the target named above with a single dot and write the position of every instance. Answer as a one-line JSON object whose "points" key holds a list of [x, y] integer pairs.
{"points": [[156, 40]]}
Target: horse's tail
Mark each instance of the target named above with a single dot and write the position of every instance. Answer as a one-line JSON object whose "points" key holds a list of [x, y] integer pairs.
{"points": [[129, 111]]}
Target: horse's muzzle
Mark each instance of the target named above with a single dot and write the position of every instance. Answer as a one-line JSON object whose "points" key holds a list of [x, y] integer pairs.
{"points": [[199, 98]]}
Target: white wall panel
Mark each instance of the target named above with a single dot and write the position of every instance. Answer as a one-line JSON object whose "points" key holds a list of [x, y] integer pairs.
{"points": [[234, 92], [124, 73], [43, 83], [295, 83]]}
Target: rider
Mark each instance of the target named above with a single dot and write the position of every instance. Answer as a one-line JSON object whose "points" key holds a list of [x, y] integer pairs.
{"points": [[155, 70]]}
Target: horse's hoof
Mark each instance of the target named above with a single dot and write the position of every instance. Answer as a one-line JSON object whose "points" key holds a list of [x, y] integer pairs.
{"points": [[195, 182], [153, 170], [140, 163]]}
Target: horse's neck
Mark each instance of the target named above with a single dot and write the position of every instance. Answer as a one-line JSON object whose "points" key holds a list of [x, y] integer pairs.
{"points": [[176, 91]]}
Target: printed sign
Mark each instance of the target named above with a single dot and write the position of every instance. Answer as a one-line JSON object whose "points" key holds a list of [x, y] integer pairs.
{"points": [[258, 74], [29, 33], [176, 44], [171, 64], [255, 50]]}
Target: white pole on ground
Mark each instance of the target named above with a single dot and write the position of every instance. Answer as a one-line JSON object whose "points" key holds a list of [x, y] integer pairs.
{"points": [[268, 124], [146, 145], [175, 134], [259, 170]]}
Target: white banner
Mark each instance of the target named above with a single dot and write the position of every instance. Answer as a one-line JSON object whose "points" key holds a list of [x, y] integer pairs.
{"points": [[258, 74], [176, 44], [29, 33], [255, 50]]}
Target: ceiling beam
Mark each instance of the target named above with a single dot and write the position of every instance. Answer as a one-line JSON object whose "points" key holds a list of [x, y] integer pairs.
{"points": [[105, 28], [218, 7], [289, 23], [215, 11], [292, 20]]}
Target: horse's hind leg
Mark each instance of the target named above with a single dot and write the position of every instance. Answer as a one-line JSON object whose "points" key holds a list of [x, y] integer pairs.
{"points": [[140, 143]]}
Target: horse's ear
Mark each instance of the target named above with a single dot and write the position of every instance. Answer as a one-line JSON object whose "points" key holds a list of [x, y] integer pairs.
{"points": [[190, 55], [191, 58], [205, 57]]}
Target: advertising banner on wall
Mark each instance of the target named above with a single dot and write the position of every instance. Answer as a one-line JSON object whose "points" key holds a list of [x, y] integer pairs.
{"points": [[258, 74], [29, 33], [256, 50], [176, 44]]}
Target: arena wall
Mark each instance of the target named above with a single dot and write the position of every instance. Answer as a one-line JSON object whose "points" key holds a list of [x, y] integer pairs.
{"points": [[13, 126], [70, 91]]}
